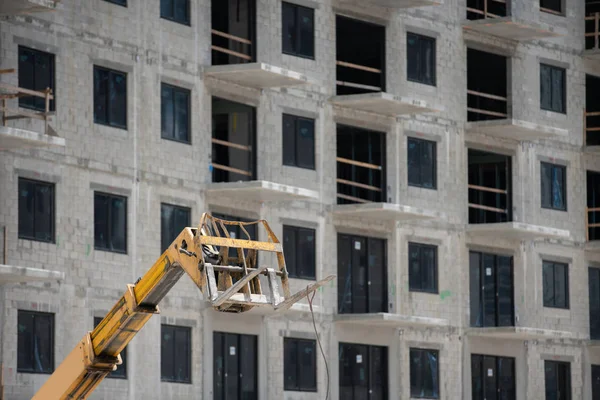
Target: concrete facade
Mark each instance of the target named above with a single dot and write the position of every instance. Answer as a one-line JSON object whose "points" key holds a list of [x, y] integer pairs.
{"points": [[149, 170]]}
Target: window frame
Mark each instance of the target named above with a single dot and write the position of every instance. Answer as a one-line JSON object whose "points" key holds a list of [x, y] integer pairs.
{"points": [[109, 223], [555, 364], [109, 121], [559, 12], [52, 72], [52, 317], [174, 207], [176, 89], [563, 89], [298, 367], [293, 273], [436, 378], [297, 36], [36, 182], [188, 355], [188, 22], [552, 166], [421, 247], [123, 366], [421, 39], [554, 265], [296, 122], [420, 145]]}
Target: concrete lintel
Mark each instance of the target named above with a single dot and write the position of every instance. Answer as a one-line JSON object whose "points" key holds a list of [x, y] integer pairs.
{"points": [[405, 3], [517, 231], [260, 191], [520, 333], [383, 103], [515, 129], [13, 274], [390, 320], [513, 28], [19, 7], [386, 211], [16, 138], [257, 75]]}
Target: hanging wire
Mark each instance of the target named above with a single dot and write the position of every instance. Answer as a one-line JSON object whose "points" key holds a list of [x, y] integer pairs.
{"points": [[312, 313]]}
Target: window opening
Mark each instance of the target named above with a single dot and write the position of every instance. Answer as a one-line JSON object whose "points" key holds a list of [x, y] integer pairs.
{"points": [[593, 205], [556, 284], [489, 187], [554, 186], [36, 72], [363, 372], [552, 6], [594, 293], [176, 354], [558, 380], [233, 31], [235, 368], [486, 86], [36, 210], [482, 9], [553, 88], [300, 365], [592, 25], [492, 377], [35, 342], [592, 110], [424, 374]]}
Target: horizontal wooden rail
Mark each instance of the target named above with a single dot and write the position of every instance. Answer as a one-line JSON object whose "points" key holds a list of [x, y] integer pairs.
{"points": [[358, 185], [359, 86], [597, 225], [232, 145], [358, 163], [551, 11], [352, 198], [486, 14], [231, 52], [357, 66], [593, 209], [488, 189], [596, 32], [29, 92], [592, 114], [229, 36], [231, 169], [486, 95], [7, 71], [486, 112], [487, 208]]}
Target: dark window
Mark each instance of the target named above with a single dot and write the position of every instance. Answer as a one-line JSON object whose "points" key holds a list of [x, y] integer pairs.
{"points": [[558, 380], [362, 275], [491, 290], [35, 346], [121, 371], [553, 88], [175, 113], [36, 210], [553, 6], [173, 219], [299, 246], [175, 10], [363, 372], [424, 374], [298, 141], [554, 186], [487, 93], [595, 382], [110, 222], [492, 377], [298, 32], [299, 365], [237, 18], [110, 97], [556, 285], [421, 163], [119, 2], [36, 72], [593, 204], [421, 58], [422, 268], [489, 189], [235, 366], [176, 354], [594, 293]]}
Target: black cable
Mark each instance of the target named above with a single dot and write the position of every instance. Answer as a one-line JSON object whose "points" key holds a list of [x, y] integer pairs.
{"points": [[318, 339]]}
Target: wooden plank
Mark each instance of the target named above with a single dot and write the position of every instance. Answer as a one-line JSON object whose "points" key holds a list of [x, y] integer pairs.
{"points": [[358, 163], [359, 185], [486, 208], [486, 95], [231, 52], [358, 86], [488, 189], [592, 114], [593, 225], [548, 10], [593, 209], [231, 169], [359, 67], [480, 12], [492, 113], [23, 90], [232, 37], [352, 198], [7, 71], [592, 129], [232, 145]]}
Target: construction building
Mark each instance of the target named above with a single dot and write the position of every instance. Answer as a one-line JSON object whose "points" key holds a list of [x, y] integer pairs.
{"points": [[441, 157]]}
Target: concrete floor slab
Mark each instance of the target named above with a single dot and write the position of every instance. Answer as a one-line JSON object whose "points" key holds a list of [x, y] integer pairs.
{"points": [[593, 54], [593, 246], [592, 149], [15, 138], [14, 274], [383, 103], [405, 3], [520, 333], [385, 211], [516, 231], [260, 191], [256, 75], [513, 28], [515, 129], [14, 7], [390, 320]]}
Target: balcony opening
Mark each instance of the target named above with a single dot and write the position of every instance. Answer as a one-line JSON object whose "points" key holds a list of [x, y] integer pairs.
{"points": [[592, 110], [486, 86], [552, 6], [489, 187], [360, 57], [233, 141], [593, 205], [482, 9], [360, 166], [233, 31], [592, 25]]}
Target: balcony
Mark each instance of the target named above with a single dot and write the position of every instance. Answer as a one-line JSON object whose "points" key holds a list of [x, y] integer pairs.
{"points": [[516, 231], [13, 274], [396, 4], [389, 320], [21, 7], [258, 191], [385, 212], [494, 17], [16, 137], [488, 101], [592, 29], [520, 333], [383, 103]]}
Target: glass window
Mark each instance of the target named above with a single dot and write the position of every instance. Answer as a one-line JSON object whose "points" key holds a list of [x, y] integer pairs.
{"points": [[554, 186], [235, 366], [363, 372], [595, 382], [35, 342], [121, 371], [298, 34], [300, 365], [422, 267], [558, 380], [110, 222], [553, 88], [421, 58], [556, 285], [424, 374], [110, 97], [421, 163], [36, 210], [175, 113], [492, 377], [175, 10], [176, 354], [36, 72], [298, 141], [173, 219], [299, 246], [594, 302]]}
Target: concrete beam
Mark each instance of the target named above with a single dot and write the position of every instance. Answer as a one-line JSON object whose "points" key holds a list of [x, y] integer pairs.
{"points": [[517, 130], [13, 274], [386, 212], [259, 191], [383, 103], [256, 75], [15, 138]]}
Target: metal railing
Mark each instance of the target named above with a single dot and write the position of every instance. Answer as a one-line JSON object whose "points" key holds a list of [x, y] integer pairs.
{"points": [[242, 56], [490, 97], [358, 67], [359, 185], [488, 190]]}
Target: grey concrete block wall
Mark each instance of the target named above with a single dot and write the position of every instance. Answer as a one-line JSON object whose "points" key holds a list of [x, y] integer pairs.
{"points": [[149, 170]]}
